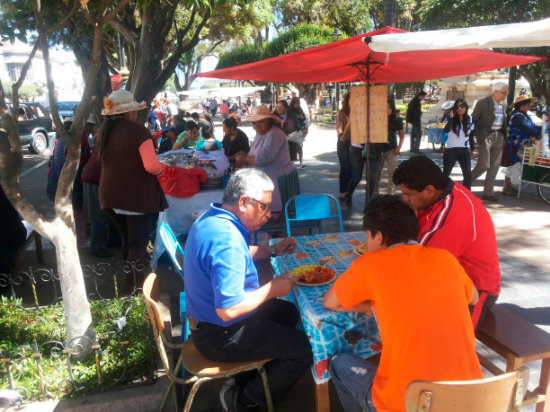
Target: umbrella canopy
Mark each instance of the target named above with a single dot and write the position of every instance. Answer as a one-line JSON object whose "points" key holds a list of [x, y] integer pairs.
{"points": [[532, 34], [343, 60]]}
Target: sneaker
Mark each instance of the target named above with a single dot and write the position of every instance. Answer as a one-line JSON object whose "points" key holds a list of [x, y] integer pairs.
{"points": [[302, 166], [229, 393]]}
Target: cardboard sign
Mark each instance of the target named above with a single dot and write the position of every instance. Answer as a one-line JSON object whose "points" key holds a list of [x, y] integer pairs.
{"points": [[377, 103]]}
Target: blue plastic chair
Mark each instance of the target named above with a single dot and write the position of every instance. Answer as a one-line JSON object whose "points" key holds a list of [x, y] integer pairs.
{"points": [[313, 207], [172, 246]]}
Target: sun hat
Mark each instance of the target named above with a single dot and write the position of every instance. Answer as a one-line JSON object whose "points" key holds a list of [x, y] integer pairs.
{"points": [[262, 112], [121, 101], [448, 104], [523, 98]]}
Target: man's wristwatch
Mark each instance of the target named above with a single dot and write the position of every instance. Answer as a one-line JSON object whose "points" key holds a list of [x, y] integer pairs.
{"points": [[272, 251]]}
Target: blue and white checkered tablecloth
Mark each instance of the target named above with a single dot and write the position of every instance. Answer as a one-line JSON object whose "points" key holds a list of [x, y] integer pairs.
{"points": [[329, 332]]}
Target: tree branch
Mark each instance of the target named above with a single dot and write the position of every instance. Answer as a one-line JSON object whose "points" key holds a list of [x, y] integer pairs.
{"points": [[15, 87], [65, 19], [112, 14], [129, 35]]}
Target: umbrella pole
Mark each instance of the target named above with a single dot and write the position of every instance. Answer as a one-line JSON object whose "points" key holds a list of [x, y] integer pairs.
{"points": [[367, 145]]}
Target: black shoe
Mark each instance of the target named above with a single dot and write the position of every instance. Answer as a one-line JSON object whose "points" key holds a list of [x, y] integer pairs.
{"points": [[229, 398], [229, 393], [348, 201], [302, 166]]}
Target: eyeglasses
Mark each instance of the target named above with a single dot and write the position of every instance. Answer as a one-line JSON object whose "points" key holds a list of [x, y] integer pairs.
{"points": [[266, 206], [461, 106]]}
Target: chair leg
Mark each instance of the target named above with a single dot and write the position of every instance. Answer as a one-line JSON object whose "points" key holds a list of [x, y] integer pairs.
{"points": [[165, 396], [268, 399], [193, 392]]}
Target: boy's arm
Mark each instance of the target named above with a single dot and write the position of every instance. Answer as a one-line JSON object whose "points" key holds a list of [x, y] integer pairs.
{"points": [[331, 302]]}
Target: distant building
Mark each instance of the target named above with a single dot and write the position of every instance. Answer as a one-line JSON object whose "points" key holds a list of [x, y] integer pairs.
{"points": [[66, 74]]}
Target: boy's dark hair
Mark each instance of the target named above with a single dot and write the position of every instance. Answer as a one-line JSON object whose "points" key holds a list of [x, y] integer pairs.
{"points": [[393, 218], [418, 172], [195, 116], [191, 124]]}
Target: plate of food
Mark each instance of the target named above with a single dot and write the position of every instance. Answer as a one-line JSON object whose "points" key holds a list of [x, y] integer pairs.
{"points": [[361, 249], [313, 275]]}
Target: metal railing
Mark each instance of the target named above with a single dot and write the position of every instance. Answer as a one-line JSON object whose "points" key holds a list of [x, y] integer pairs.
{"points": [[40, 287]]}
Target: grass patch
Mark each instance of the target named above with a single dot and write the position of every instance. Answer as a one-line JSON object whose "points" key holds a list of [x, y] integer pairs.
{"points": [[20, 327]]}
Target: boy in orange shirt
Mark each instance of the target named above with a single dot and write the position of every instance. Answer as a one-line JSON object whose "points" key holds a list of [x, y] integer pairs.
{"points": [[420, 296]]}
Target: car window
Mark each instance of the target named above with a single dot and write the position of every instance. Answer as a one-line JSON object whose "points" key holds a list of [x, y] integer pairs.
{"points": [[67, 105], [38, 112], [25, 113]]}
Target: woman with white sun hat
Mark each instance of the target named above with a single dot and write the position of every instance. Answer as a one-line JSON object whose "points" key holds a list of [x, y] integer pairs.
{"points": [[129, 190]]}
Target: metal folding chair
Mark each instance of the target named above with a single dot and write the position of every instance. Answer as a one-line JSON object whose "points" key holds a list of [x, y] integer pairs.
{"points": [[190, 358]]}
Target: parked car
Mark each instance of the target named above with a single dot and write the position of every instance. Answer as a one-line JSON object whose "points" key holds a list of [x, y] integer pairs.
{"points": [[35, 126], [67, 109]]}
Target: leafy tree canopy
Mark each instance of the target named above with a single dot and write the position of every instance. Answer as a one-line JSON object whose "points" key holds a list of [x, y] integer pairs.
{"points": [[298, 38], [439, 14], [247, 53], [351, 17]]}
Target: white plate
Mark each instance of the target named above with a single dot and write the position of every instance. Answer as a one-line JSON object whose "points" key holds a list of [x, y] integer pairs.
{"points": [[318, 284]]}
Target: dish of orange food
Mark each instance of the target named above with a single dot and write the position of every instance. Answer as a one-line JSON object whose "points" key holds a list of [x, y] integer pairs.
{"points": [[361, 249], [313, 275]]}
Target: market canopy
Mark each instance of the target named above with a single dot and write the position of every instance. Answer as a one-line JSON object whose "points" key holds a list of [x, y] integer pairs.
{"points": [[344, 61], [531, 34]]}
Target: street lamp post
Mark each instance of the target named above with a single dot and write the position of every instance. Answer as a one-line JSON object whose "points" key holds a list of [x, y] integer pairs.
{"points": [[336, 105]]}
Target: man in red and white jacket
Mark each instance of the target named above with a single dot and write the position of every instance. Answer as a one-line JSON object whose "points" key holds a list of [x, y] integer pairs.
{"points": [[452, 218]]}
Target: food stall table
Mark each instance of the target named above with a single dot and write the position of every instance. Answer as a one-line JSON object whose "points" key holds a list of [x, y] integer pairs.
{"points": [[180, 215], [329, 332], [183, 211]]}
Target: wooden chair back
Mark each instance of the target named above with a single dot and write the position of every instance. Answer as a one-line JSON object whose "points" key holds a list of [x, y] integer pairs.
{"points": [[501, 393], [151, 294]]}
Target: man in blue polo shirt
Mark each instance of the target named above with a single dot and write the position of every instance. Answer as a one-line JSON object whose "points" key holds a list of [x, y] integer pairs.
{"points": [[232, 317]]}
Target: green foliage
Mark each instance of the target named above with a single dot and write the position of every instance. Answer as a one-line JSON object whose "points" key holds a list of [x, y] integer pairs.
{"points": [[20, 326], [440, 14], [247, 53], [298, 38], [26, 91], [351, 17]]}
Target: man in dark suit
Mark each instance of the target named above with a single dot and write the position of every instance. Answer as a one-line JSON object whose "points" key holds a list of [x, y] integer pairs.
{"points": [[414, 113], [490, 131]]}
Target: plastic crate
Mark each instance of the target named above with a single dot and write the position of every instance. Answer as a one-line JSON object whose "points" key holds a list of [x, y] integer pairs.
{"points": [[435, 135]]}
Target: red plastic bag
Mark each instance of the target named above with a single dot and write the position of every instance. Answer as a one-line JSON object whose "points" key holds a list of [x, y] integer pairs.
{"points": [[179, 182]]}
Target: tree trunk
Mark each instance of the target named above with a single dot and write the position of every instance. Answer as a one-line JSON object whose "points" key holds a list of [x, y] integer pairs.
{"points": [[78, 318], [390, 13], [61, 229]]}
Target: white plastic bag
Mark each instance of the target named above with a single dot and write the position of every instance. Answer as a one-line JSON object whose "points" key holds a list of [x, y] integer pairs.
{"points": [[296, 137]]}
